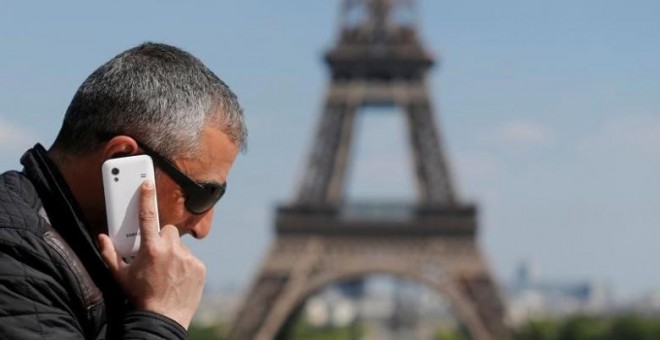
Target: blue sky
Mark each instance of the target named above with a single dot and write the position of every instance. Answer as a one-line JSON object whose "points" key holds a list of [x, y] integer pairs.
{"points": [[549, 112]]}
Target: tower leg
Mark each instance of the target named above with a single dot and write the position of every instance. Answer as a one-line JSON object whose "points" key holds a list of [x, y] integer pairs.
{"points": [[324, 178], [274, 295], [433, 176], [481, 291]]}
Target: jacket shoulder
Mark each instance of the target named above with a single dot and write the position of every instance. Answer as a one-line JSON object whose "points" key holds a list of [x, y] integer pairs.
{"points": [[19, 203], [36, 262]]}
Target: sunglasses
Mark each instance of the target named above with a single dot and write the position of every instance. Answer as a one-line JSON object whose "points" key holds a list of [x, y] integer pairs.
{"points": [[199, 197]]}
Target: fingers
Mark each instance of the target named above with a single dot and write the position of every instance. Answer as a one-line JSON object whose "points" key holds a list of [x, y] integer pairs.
{"points": [[148, 213], [170, 234], [110, 256]]}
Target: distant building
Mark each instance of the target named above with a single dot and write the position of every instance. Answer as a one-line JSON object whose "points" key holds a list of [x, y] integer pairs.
{"points": [[531, 298], [387, 307]]}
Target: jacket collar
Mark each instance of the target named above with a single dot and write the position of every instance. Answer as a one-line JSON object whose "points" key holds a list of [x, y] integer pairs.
{"points": [[66, 217], [55, 194], [65, 214]]}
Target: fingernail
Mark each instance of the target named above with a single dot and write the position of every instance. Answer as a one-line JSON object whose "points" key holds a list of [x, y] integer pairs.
{"points": [[148, 185]]}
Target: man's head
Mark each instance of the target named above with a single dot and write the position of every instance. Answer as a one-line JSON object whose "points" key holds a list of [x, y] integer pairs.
{"points": [[158, 98]]}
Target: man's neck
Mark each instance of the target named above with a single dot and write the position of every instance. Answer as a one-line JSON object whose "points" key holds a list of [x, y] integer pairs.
{"points": [[83, 177]]}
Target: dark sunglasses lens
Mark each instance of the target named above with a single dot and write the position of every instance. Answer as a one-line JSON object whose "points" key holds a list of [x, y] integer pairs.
{"points": [[203, 200]]}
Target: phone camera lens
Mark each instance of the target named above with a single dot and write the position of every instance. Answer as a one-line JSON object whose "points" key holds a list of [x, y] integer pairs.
{"points": [[115, 171]]}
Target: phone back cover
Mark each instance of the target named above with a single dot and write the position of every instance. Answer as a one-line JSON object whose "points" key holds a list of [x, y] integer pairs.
{"points": [[122, 199]]}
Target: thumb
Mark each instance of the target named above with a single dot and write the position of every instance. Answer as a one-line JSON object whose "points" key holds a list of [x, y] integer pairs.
{"points": [[110, 256]]}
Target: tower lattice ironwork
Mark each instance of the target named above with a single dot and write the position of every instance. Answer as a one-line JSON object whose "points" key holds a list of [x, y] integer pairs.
{"points": [[378, 60]]}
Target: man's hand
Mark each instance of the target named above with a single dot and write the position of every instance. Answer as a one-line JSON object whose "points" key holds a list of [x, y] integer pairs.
{"points": [[165, 277]]}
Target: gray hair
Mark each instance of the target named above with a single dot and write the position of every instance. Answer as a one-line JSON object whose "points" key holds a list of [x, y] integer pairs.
{"points": [[155, 93]]}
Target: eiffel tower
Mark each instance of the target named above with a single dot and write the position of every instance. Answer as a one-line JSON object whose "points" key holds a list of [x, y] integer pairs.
{"points": [[321, 240]]}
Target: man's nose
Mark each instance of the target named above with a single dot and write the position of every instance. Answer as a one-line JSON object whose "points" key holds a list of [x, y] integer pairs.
{"points": [[200, 225]]}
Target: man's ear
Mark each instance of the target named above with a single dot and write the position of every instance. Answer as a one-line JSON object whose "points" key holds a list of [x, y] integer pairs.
{"points": [[120, 146]]}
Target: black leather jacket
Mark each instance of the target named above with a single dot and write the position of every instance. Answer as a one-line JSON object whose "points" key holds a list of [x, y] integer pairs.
{"points": [[53, 281]]}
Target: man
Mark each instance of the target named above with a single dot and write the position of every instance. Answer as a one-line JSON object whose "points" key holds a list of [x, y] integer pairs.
{"points": [[60, 277]]}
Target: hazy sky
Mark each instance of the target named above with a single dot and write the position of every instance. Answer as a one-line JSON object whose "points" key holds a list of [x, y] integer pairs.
{"points": [[549, 112]]}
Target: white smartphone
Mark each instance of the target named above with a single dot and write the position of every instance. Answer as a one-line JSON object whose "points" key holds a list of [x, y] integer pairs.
{"points": [[122, 178]]}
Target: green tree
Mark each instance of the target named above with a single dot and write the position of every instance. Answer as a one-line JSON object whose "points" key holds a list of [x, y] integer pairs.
{"points": [[538, 330], [214, 332], [634, 328], [451, 334], [582, 328]]}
